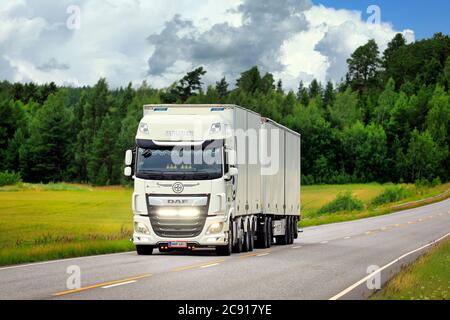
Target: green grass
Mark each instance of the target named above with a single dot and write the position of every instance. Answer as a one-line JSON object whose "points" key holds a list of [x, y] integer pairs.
{"points": [[39, 223], [426, 279], [313, 198]]}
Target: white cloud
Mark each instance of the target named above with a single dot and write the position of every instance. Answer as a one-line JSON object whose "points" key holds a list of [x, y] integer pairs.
{"points": [[294, 40]]}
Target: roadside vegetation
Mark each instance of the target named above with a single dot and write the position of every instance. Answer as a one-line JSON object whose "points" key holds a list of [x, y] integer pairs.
{"points": [[45, 222], [343, 202], [338, 203], [428, 278]]}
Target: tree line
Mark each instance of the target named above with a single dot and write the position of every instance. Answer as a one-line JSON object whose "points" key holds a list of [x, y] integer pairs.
{"points": [[388, 120]]}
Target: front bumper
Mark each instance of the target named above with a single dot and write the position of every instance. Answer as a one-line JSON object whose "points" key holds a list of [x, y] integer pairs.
{"points": [[202, 240]]}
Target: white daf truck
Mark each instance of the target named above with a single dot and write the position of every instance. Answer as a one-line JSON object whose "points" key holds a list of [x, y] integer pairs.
{"points": [[213, 176]]}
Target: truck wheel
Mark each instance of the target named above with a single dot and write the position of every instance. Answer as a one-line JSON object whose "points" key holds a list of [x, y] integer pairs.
{"points": [[295, 228], [251, 243], [144, 250], [226, 250], [292, 230], [246, 241], [290, 238], [261, 231], [269, 232], [237, 248]]}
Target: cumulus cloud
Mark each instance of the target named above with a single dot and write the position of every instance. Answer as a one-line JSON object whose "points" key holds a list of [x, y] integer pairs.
{"points": [[265, 26], [53, 64], [160, 40]]}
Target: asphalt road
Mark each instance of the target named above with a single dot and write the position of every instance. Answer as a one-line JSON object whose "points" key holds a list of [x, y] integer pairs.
{"points": [[324, 261]]}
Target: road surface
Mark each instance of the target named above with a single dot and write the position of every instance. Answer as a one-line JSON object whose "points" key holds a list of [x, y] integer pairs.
{"points": [[324, 261]]}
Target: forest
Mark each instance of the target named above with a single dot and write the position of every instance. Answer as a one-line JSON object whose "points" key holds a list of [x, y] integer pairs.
{"points": [[388, 120]]}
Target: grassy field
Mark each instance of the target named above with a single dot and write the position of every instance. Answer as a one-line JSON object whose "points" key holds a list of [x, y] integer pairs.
{"points": [[314, 197], [43, 222], [58, 221], [426, 279]]}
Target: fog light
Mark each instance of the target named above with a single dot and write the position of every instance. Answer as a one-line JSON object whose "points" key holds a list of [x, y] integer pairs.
{"points": [[215, 228], [141, 228]]}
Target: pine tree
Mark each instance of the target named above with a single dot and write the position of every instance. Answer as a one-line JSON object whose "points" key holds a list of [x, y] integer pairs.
{"points": [[222, 88], [47, 153], [302, 94], [280, 87], [250, 80], [364, 66], [329, 95]]}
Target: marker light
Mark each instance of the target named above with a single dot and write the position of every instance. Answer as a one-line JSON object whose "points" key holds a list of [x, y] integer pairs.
{"points": [[143, 128]]}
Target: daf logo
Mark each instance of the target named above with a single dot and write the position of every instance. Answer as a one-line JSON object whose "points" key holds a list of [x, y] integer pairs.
{"points": [[178, 187], [171, 201]]}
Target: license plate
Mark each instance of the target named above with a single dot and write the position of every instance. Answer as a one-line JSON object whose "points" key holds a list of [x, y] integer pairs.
{"points": [[178, 244]]}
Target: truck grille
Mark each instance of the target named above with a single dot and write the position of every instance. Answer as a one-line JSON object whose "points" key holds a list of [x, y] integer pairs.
{"points": [[177, 227]]}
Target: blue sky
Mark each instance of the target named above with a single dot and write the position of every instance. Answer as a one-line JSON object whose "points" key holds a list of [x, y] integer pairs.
{"points": [[424, 17]]}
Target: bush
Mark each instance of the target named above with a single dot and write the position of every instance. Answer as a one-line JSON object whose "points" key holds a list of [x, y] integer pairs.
{"points": [[343, 202], [391, 194], [436, 182], [9, 178]]}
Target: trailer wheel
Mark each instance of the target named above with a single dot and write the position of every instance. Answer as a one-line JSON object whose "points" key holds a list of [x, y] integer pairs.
{"points": [[144, 250], [291, 230], [269, 232], [295, 228], [251, 244]]}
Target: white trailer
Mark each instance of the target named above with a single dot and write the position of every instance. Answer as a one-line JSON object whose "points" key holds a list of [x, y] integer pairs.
{"points": [[215, 176]]}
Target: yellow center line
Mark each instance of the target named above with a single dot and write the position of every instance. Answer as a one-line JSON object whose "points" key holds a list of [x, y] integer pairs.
{"points": [[197, 265], [252, 255], [100, 285]]}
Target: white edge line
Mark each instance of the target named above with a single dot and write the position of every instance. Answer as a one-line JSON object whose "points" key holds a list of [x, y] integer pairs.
{"points": [[63, 260], [118, 284], [349, 289]]}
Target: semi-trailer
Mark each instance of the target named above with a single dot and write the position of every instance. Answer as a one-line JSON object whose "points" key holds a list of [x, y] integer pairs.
{"points": [[213, 176]]}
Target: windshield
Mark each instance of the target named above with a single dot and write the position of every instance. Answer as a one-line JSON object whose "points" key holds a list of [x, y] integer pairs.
{"points": [[181, 163]]}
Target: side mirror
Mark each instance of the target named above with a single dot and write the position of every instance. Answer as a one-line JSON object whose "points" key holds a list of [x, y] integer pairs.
{"points": [[127, 172], [128, 158], [231, 173], [231, 158]]}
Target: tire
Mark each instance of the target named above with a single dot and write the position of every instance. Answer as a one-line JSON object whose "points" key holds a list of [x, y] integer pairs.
{"points": [[226, 251], [251, 244], [283, 240], [295, 228], [237, 248], [291, 230], [144, 250], [246, 240], [294, 225], [269, 232]]}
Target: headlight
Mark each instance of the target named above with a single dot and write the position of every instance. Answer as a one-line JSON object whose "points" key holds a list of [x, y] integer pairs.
{"points": [[215, 128], [215, 228], [141, 228], [184, 213], [143, 128]]}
